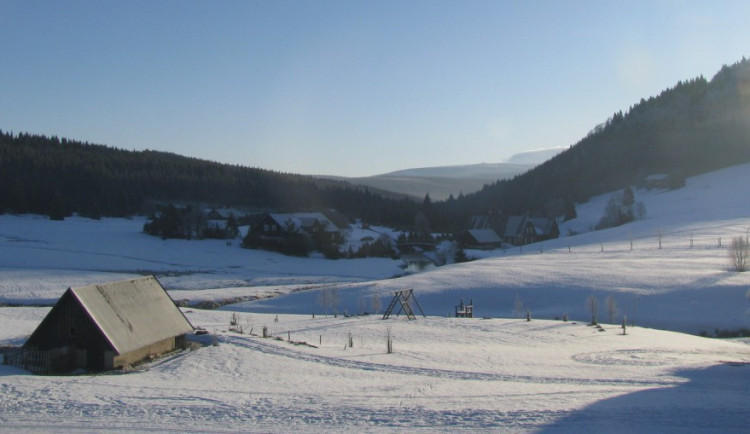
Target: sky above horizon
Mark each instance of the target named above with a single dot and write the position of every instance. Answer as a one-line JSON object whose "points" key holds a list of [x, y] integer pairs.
{"points": [[350, 88]]}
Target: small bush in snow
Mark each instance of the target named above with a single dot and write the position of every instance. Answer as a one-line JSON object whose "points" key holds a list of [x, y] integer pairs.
{"points": [[592, 305], [738, 253], [611, 305]]}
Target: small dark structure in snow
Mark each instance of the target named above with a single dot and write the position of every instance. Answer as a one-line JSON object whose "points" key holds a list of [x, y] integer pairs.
{"points": [[465, 310], [101, 327], [403, 299]]}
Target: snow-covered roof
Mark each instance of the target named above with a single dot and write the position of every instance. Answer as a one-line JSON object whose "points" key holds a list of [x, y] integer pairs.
{"points": [[485, 236], [479, 222], [225, 212], [514, 225], [304, 220], [132, 313]]}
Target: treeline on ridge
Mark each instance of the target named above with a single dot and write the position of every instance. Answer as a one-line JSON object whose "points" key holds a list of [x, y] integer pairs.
{"points": [[691, 128], [57, 177], [694, 127]]}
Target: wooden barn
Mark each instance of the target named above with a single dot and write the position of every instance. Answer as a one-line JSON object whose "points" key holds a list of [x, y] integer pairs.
{"points": [[101, 327]]}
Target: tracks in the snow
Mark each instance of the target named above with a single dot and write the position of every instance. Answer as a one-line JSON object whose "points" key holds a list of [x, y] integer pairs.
{"points": [[276, 349]]}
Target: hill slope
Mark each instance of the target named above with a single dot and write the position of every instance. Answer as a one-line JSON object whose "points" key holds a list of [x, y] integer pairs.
{"points": [[677, 287], [695, 127]]}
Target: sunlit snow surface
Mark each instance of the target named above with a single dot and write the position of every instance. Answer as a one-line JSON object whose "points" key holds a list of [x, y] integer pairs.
{"points": [[445, 374]]}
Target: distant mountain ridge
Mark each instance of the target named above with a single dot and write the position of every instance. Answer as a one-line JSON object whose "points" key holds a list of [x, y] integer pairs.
{"points": [[468, 171], [536, 157], [441, 182]]}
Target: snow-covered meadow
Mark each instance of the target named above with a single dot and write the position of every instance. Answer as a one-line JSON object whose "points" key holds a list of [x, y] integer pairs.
{"points": [[444, 375], [497, 374]]}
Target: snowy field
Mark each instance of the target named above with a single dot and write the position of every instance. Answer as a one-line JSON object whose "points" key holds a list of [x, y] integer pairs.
{"points": [[502, 374], [444, 375]]}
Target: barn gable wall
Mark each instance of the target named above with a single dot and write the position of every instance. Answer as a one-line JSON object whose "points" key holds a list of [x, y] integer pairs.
{"points": [[67, 324]]}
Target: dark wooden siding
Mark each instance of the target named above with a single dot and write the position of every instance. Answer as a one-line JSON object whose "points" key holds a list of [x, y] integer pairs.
{"points": [[68, 326]]}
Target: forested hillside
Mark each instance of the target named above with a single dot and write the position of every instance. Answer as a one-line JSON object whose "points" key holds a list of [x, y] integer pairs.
{"points": [[694, 127], [57, 177]]}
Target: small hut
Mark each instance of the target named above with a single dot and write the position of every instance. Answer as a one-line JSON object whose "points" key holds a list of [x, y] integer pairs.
{"points": [[101, 327], [465, 310]]}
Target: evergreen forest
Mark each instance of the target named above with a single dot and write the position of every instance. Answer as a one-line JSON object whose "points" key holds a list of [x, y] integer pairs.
{"points": [[696, 126]]}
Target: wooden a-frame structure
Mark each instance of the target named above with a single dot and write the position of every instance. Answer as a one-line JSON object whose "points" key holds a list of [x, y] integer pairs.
{"points": [[403, 299]]}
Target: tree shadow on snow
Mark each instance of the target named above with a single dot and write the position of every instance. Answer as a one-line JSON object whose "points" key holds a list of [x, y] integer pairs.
{"points": [[713, 400]]}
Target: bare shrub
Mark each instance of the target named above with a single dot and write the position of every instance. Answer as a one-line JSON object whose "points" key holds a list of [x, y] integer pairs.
{"points": [[611, 306], [738, 253], [518, 307], [592, 305]]}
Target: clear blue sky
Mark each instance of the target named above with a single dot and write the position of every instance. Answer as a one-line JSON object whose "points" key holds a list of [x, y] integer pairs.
{"points": [[349, 87]]}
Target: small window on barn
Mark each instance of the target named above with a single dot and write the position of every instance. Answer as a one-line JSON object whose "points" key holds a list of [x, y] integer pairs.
{"points": [[273, 228], [265, 228]]}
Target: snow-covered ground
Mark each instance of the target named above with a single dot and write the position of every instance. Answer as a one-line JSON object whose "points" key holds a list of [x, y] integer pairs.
{"points": [[40, 258], [444, 375], [670, 270], [499, 374]]}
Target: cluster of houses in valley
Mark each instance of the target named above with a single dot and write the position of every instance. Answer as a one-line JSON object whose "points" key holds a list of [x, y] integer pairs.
{"points": [[279, 225], [494, 231], [488, 231]]}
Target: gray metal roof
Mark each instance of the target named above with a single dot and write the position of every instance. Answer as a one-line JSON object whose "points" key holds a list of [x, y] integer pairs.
{"points": [[133, 313]]}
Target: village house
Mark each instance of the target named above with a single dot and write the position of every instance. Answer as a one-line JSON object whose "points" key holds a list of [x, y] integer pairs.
{"points": [[480, 239], [482, 232], [279, 225], [491, 231], [223, 213], [106, 326], [520, 230], [546, 228]]}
